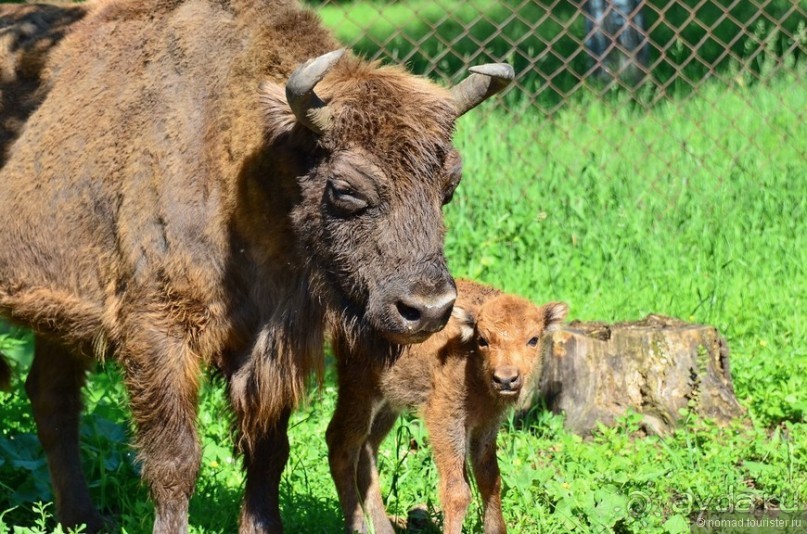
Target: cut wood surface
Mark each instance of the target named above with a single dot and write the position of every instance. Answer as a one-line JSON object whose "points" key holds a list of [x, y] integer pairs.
{"points": [[594, 372]]}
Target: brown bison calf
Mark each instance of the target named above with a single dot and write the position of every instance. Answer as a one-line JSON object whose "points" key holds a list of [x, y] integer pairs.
{"points": [[462, 380]]}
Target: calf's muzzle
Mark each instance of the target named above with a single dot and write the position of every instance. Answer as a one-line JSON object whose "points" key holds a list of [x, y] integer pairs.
{"points": [[507, 381]]}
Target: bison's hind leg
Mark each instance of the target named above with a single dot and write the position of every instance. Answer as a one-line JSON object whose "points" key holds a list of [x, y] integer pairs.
{"points": [[54, 388]]}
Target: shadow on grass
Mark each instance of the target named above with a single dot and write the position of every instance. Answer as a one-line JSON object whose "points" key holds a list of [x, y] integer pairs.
{"points": [[215, 508]]}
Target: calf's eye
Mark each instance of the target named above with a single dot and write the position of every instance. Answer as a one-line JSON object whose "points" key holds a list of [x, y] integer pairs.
{"points": [[482, 342], [533, 341]]}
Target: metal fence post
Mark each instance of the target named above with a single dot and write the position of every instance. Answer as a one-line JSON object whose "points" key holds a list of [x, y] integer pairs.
{"points": [[616, 40]]}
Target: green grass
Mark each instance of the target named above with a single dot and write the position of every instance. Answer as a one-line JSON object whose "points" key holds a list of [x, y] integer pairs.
{"points": [[697, 209]]}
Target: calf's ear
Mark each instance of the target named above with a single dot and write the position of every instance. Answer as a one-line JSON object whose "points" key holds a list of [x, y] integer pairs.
{"points": [[554, 314], [465, 321]]}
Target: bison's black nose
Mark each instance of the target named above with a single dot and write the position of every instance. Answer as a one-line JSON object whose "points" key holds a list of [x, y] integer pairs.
{"points": [[507, 380], [426, 314]]}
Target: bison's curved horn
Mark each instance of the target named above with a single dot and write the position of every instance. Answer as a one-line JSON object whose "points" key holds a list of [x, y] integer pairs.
{"points": [[486, 81], [310, 111]]}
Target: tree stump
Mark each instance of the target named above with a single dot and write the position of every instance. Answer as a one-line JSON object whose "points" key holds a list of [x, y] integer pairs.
{"points": [[593, 372]]}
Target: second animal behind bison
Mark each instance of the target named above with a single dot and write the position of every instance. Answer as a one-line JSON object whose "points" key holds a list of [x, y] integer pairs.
{"points": [[462, 379]]}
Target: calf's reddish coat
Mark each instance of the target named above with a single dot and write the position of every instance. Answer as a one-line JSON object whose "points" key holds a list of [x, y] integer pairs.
{"points": [[180, 196], [462, 380]]}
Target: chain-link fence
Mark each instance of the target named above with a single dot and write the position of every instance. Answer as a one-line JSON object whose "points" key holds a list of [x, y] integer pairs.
{"points": [[640, 54]]}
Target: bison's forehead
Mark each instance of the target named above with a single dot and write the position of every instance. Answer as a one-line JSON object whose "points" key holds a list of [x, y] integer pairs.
{"points": [[386, 111]]}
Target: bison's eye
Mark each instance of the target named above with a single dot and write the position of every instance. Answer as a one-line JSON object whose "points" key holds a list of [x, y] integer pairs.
{"points": [[344, 198], [533, 341], [452, 186], [448, 196], [482, 342]]}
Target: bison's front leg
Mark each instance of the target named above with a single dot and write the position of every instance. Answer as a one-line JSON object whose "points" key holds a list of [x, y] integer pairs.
{"points": [[54, 388], [162, 375], [259, 389], [264, 460]]}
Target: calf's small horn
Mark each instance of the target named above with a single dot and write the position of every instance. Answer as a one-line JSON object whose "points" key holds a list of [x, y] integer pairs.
{"points": [[310, 111], [485, 81]]}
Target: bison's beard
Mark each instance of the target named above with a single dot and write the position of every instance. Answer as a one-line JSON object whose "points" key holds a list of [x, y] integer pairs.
{"points": [[349, 321], [359, 337]]}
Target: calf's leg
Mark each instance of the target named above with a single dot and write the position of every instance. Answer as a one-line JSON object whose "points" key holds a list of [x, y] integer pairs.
{"points": [[488, 478], [162, 375], [445, 423], [367, 478], [347, 435], [54, 388]]}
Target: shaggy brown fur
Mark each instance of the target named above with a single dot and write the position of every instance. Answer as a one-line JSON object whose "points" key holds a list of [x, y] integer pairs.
{"points": [[160, 209], [462, 380], [27, 34]]}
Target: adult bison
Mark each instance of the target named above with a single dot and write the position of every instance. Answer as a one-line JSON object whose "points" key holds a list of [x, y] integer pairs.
{"points": [[182, 198]]}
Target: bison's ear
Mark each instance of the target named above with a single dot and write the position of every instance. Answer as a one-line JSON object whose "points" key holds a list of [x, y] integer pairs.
{"points": [[554, 314], [465, 321], [278, 116]]}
